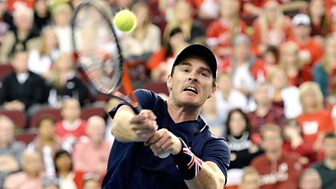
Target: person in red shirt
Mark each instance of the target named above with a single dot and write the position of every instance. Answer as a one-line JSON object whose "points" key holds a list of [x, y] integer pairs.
{"points": [[311, 50], [314, 120], [277, 170], [71, 127], [221, 32]]}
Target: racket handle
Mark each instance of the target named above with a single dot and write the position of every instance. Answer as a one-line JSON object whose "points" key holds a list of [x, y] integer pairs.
{"points": [[164, 155]]}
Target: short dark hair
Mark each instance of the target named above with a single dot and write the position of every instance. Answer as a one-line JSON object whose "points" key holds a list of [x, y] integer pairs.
{"points": [[330, 135]]}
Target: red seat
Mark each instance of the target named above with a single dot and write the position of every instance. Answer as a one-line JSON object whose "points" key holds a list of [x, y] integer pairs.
{"points": [[18, 117], [54, 113], [26, 137], [157, 86], [89, 111], [4, 70]]}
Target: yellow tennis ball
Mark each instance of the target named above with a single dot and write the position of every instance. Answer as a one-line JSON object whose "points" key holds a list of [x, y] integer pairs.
{"points": [[125, 20]]}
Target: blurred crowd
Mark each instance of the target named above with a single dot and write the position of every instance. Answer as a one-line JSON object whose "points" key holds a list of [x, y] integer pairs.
{"points": [[275, 102]]}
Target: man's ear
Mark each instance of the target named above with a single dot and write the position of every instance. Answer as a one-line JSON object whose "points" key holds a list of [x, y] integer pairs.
{"points": [[169, 82], [213, 90]]}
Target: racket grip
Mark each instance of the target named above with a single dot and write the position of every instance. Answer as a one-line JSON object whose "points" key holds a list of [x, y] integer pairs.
{"points": [[164, 155]]}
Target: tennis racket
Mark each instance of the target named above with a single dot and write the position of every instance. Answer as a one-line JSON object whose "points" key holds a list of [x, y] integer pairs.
{"points": [[98, 51]]}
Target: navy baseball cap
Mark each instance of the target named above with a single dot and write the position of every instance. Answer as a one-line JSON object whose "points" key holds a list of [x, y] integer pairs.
{"points": [[198, 51]]}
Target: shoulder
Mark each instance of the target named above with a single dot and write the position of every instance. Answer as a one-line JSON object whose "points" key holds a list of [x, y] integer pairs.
{"points": [[147, 99]]}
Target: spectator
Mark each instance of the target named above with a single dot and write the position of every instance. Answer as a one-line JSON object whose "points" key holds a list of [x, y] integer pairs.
{"points": [[6, 23], [250, 179], [64, 82], [271, 57], [144, 39], [310, 50], [91, 183], [211, 116], [291, 62], [319, 20], [285, 95], [67, 178], [276, 169], [265, 111], [314, 120], [272, 27], [221, 32], [42, 58], [161, 61], [228, 97], [42, 15], [324, 73], [95, 145], [10, 150], [61, 15], [22, 38], [182, 17], [327, 167], [310, 179], [32, 175], [71, 127], [22, 89], [246, 69], [46, 143], [240, 143], [294, 142]]}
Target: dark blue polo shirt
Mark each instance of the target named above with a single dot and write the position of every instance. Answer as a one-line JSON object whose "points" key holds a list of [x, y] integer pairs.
{"points": [[134, 166]]}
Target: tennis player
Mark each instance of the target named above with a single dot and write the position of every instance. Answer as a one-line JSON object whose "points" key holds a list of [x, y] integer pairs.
{"points": [[197, 159]]}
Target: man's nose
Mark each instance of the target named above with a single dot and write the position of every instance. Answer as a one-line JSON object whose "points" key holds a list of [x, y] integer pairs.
{"points": [[193, 76]]}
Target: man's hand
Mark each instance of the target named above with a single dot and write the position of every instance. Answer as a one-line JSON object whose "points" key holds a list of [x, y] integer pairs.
{"points": [[144, 125], [163, 141]]}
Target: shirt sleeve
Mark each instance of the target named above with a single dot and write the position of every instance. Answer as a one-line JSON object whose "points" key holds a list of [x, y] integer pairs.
{"points": [[146, 99], [217, 151]]}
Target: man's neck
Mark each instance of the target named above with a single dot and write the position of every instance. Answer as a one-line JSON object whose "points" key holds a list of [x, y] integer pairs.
{"points": [[180, 113], [274, 155], [263, 110]]}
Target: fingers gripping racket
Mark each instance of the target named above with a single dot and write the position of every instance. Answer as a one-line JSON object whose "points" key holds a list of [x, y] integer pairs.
{"points": [[98, 51]]}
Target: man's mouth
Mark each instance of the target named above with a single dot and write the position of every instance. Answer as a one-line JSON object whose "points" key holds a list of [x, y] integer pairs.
{"points": [[191, 89]]}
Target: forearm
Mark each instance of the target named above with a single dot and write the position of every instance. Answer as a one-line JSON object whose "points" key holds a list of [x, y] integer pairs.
{"points": [[209, 177]]}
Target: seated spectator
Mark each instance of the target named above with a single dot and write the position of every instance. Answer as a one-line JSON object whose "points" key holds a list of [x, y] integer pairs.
{"points": [[182, 17], [250, 179], [42, 58], [327, 167], [324, 73], [227, 97], [211, 116], [64, 82], [311, 51], [71, 127], [46, 143], [294, 142], [246, 69], [162, 60], [42, 15], [10, 150], [291, 62], [221, 32], [310, 179], [22, 89], [22, 38], [61, 15], [285, 95], [320, 22], [265, 112], [32, 175], [91, 183], [95, 145], [144, 39], [276, 169], [243, 151], [67, 178], [272, 27], [315, 121]]}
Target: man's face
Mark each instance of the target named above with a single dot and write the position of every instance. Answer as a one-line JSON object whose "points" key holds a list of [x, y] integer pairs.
{"points": [[272, 141], [191, 83]]}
